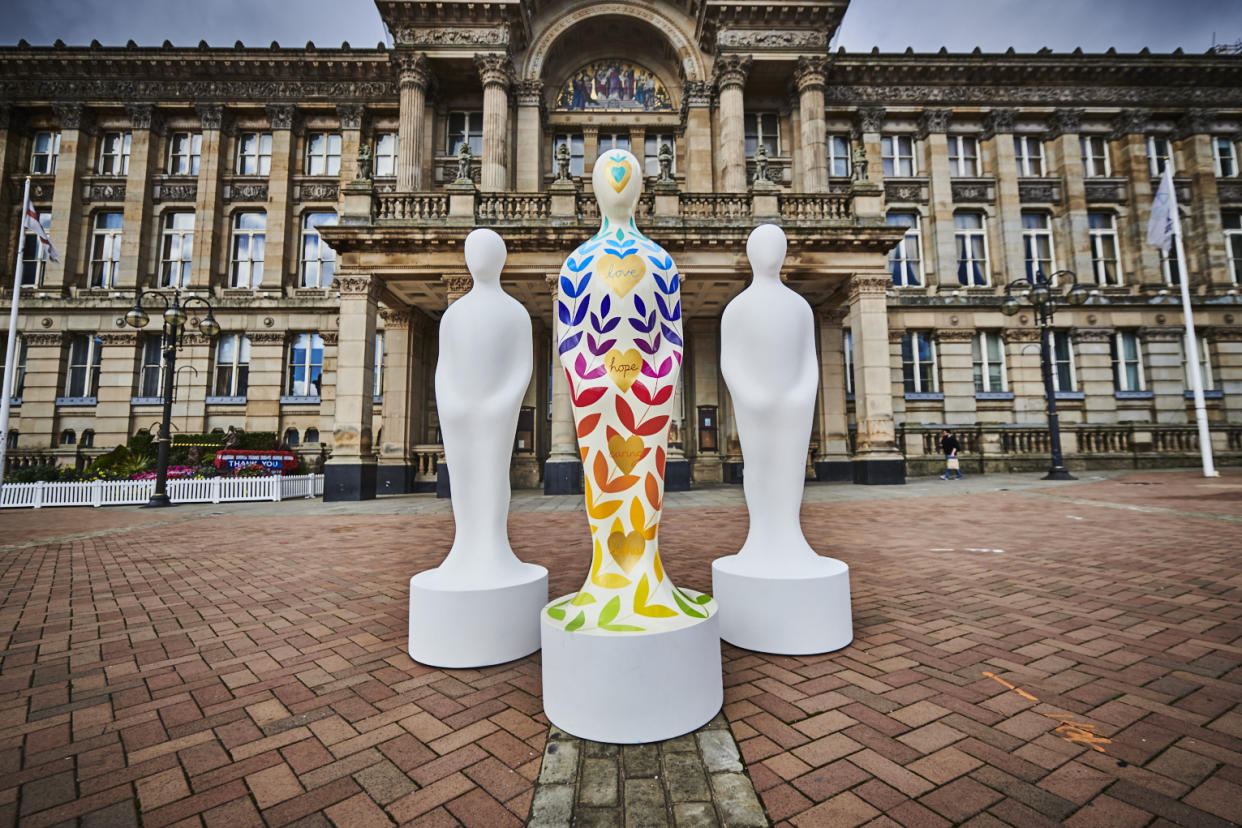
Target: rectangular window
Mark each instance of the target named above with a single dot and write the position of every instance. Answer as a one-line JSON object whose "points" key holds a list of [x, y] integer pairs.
{"points": [[972, 248], [254, 153], [44, 152], [904, 260], [1063, 376], [318, 259], [1226, 158], [177, 250], [323, 153], [1205, 365], [19, 367], [1029, 153], [305, 365], [963, 157], [105, 250], [1233, 244], [651, 152], [918, 363], [989, 361], [465, 127], [385, 155], [839, 156], [378, 388], [1159, 152], [232, 365], [249, 243], [184, 151], [762, 128], [576, 152], [151, 374], [614, 140], [34, 255], [114, 153], [1170, 267], [1037, 244], [1094, 156], [85, 355], [1105, 263], [1127, 362], [847, 341], [897, 155]]}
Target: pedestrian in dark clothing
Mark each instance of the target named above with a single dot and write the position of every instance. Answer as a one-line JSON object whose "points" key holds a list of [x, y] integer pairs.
{"points": [[950, 447]]}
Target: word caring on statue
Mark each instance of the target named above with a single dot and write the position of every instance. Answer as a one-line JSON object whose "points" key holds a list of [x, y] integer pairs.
{"points": [[613, 85], [280, 461]]}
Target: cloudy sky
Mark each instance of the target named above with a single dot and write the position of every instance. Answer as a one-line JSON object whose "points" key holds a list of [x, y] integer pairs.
{"points": [[926, 25]]}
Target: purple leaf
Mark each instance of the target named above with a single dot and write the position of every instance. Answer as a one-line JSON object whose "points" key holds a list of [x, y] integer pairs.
{"points": [[569, 343]]}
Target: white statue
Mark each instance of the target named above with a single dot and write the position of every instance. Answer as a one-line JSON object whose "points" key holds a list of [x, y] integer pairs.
{"points": [[776, 594], [481, 605]]}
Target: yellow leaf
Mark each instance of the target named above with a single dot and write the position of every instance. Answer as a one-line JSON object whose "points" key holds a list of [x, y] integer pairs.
{"points": [[638, 518], [582, 599], [611, 580], [650, 610], [616, 527], [650, 534], [659, 568], [603, 510]]}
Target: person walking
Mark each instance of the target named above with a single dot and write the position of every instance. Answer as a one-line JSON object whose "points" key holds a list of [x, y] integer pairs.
{"points": [[950, 447]]}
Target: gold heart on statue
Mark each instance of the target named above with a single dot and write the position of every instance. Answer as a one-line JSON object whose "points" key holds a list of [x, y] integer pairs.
{"points": [[623, 367], [626, 452], [621, 274], [617, 173], [626, 550]]}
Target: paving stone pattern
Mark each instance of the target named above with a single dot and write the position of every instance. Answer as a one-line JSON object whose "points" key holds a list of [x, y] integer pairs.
{"points": [[249, 667]]}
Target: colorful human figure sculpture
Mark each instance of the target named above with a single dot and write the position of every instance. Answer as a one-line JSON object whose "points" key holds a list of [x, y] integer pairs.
{"points": [[629, 657], [481, 605], [777, 594]]}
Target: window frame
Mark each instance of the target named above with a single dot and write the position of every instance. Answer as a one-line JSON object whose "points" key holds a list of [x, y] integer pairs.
{"points": [[1029, 236], [309, 366], [90, 367], [329, 160], [236, 382], [982, 363], [1233, 242], [19, 368], [50, 156], [831, 142], [760, 120], [185, 162], [105, 260], [453, 138], [1122, 363], [961, 235], [380, 153], [1218, 159], [31, 245], [151, 374], [320, 262], [577, 158], [261, 156], [1068, 363], [847, 346], [114, 162], [184, 238], [891, 156], [377, 384], [651, 153], [1155, 160], [1095, 165], [1023, 159], [963, 164], [236, 263], [1096, 237], [1169, 260], [912, 378], [1205, 364], [903, 262]]}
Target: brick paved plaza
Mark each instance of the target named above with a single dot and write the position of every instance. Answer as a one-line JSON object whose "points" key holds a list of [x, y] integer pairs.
{"points": [[1025, 653]]}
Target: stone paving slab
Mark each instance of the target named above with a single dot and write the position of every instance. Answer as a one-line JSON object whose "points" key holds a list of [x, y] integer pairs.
{"points": [[1048, 654]]}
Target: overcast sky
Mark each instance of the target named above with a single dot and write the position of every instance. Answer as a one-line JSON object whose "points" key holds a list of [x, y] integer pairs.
{"points": [[926, 25]]}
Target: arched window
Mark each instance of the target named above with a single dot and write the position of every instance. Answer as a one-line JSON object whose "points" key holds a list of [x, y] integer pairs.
{"points": [[291, 436], [88, 439], [68, 437], [312, 435], [12, 438]]}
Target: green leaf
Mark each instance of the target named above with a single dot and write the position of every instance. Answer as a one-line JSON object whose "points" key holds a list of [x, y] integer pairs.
{"points": [[686, 608], [578, 621], [557, 613], [610, 611], [620, 234], [704, 598], [620, 628], [582, 599]]}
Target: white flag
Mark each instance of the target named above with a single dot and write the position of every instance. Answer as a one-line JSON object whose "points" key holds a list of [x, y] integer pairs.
{"points": [[32, 224], [1163, 209]]}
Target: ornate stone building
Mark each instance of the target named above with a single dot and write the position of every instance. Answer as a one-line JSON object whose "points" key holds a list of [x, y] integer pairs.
{"points": [[320, 197]]}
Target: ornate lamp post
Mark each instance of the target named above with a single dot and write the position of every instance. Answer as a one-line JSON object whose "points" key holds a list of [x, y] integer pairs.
{"points": [[1040, 292], [174, 327]]}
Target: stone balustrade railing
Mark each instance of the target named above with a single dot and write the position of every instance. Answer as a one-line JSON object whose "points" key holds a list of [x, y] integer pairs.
{"points": [[411, 207], [806, 207], [427, 459], [512, 206]]}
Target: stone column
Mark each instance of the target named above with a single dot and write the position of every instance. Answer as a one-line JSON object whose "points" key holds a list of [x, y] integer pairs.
{"points": [[1166, 379], [118, 367], [144, 158], [267, 380], [677, 467], [1204, 231], [9, 165], [76, 127], [1094, 364], [351, 117], [530, 163], [933, 124], [833, 461], [1026, 379], [524, 467], [697, 128], [414, 76], [395, 472], [730, 78], [1071, 243], [276, 270], [351, 471], [44, 374], [809, 76], [957, 374], [590, 149], [868, 124], [730, 442], [562, 472], [210, 222], [998, 134], [456, 286], [1140, 262], [702, 359], [876, 460], [1227, 346], [495, 71]]}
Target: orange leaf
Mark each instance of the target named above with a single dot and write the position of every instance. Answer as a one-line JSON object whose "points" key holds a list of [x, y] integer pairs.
{"points": [[588, 424], [653, 491], [620, 484]]}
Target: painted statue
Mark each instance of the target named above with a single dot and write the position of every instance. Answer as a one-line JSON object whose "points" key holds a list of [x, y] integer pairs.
{"points": [[619, 337]]}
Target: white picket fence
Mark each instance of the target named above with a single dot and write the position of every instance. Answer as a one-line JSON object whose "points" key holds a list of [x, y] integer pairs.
{"points": [[134, 492]]}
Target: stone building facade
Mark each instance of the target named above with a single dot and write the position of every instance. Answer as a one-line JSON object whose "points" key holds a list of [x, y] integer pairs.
{"points": [[319, 197]]}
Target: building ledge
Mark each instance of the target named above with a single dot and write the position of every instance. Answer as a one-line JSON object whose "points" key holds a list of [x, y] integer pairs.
{"points": [[993, 395], [289, 399], [146, 400], [1208, 394], [78, 402], [1134, 395], [925, 396], [227, 400]]}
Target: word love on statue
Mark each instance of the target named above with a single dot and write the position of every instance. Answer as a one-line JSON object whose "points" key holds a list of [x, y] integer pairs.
{"points": [[630, 657]]}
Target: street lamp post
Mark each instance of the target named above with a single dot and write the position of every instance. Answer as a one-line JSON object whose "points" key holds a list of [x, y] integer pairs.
{"points": [[1039, 291], [170, 340]]}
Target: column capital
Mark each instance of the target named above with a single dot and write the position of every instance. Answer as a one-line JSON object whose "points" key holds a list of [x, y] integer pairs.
{"points": [[73, 115], [129, 338], [810, 72], [395, 318], [530, 92], [954, 334], [48, 339], [266, 337], [413, 68], [895, 335], [330, 337], [1020, 335], [999, 122], [696, 93], [281, 116], [1130, 122], [1169, 334], [143, 116], [1223, 333], [1091, 334], [869, 285], [211, 115], [869, 119], [933, 120], [1195, 122], [1064, 121], [351, 115], [365, 286], [836, 315], [456, 286], [731, 70], [494, 68]]}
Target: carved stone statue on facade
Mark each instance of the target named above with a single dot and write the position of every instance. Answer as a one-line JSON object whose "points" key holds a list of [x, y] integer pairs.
{"points": [[464, 158], [562, 162], [761, 164], [231, 439], [665, 159], [860, 162], [364, 162]]}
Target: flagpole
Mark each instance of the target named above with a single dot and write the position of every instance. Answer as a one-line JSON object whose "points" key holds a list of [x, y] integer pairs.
{"points": [[10, 354], [1192, 349]]}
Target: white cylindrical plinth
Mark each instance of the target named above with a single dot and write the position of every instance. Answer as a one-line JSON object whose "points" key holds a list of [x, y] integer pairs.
{"points": [[630, 688], [799, 613], [475, 627]]}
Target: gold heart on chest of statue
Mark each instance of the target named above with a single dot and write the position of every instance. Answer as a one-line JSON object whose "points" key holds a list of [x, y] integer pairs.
{"points": [[626, 453], [626, 550], [621, 273], [623, 367]]}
